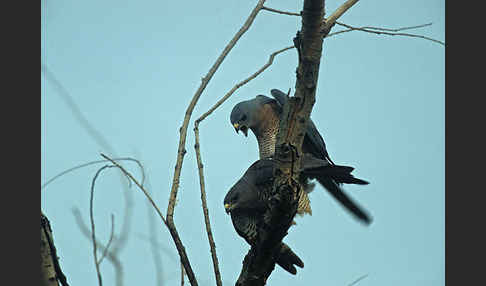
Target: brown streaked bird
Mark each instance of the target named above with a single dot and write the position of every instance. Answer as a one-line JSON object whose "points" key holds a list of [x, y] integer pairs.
{"points": [[262, 116], [247, 199]]}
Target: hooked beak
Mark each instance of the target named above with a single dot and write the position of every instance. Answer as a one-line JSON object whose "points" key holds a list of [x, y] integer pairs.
{"points": [[239, 127], [227, 208]]}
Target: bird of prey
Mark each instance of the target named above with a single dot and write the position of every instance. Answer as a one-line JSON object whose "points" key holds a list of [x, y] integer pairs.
{"points": [[247, 199], [262, 116]]}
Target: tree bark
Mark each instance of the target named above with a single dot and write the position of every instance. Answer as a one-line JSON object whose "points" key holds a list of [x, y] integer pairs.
{"points": [[260, 260], [50, 270]]}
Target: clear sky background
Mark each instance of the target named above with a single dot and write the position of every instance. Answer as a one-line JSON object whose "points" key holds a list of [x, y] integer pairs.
{"points": [[132, 67]]}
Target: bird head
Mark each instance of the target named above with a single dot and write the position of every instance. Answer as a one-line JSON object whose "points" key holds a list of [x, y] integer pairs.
{"points": [[231, 200], [244, 115], [240, 116], [242, 196]]}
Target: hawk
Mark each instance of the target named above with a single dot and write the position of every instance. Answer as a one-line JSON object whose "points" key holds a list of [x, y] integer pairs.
{"points": [[262, 116], [247, 200]]}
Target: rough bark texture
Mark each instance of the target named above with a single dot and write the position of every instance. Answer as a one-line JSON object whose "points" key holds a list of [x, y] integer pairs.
{"points": [[50, 270], [260, 260]]}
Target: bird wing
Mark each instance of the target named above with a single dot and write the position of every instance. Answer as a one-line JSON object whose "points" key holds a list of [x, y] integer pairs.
{"points": [[313, 142]]}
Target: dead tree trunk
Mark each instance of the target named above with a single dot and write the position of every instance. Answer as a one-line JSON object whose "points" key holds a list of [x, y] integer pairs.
{"points": [[260, 260], [50, 270]]}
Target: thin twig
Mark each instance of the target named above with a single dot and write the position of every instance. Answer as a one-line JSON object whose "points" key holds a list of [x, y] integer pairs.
{"points": [[200, 164], [280, 11], [111, 256], [339, 12], [207, 221], [159, 270], [392, 30], [182, 140], [159, 246], [78, 115], [138, 185], [109, 240], [357, 280], [241, 83], [93, 163], [382, 31], [98, 137], [91, 216], [259, 263], [369, 29]]}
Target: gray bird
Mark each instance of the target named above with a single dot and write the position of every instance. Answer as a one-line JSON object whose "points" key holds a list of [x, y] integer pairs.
{"points": [[247, 199], [262, 116]]}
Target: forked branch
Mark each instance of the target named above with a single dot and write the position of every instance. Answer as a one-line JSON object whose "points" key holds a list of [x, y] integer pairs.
{"points": [[183, 134]]}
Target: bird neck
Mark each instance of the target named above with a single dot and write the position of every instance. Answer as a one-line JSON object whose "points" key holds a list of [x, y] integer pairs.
{"points": [[266, 141]]}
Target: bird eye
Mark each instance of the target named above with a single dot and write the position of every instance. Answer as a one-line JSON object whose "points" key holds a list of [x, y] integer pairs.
{"points": [[243, 118]]}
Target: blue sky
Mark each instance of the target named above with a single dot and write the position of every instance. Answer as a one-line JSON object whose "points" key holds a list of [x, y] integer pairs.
{"points": [[133, 66]]}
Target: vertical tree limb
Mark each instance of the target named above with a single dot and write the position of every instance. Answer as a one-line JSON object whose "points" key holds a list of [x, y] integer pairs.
{"points": [[260, 262], [207, 221], [201, 167], [182, 141], [50, 270]]}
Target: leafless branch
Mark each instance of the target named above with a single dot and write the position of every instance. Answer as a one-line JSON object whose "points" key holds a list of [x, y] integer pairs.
{"points": [[207, 221], [91, 216], [392, 30], [78, 115], [93, 163], [183, 134], [240, 84], [111, 256], [147, 195], [280, 11], [51, 272], [159, 270], [357, 280], [182, 274], [112, 233], [159, 246], [384, 31], [369, 29], [200, 164], [282, 207], [339, 12], [103, 142]]}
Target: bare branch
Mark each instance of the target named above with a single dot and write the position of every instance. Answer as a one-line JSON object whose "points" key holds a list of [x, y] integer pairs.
{"points": [[183, 134], [159, 246], [111, 256], [240, 84], [392, 30], [93, 163], [260, 260], [78, 115], [369, 29], [200, 164], [207, 221], [357, 280], [339, 12], [280, 12], [112, 232], [383, 31], [138, 185], [103, 142], [51, 271], [91, 216], [182, 274], [154, 248]]}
